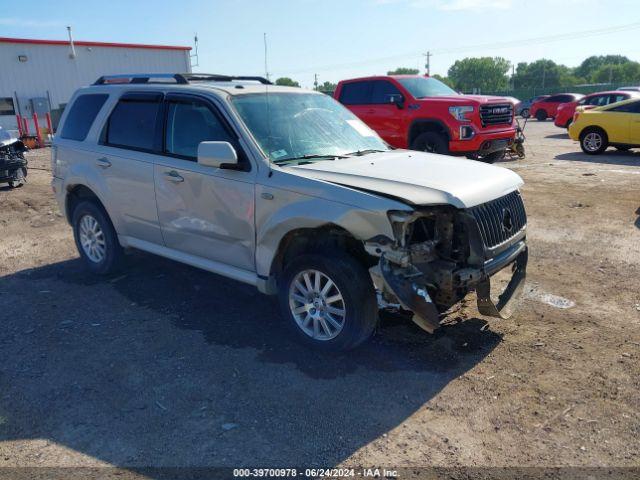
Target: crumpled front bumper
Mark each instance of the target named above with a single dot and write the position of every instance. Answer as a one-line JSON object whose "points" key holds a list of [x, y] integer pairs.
{"points": [[515, 258], [415, 298]]}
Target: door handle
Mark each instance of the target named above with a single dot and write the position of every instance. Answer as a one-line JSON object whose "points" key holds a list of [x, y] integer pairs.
{"points": [[173, 176], [103, 163]]}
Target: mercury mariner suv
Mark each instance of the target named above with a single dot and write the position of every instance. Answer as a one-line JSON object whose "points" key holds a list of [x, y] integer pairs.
{"points": [[287, 190]]}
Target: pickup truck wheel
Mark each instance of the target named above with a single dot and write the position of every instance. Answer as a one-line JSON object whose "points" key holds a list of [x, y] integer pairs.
{"points": [[593, 141], [541, 115], [328, 300], [96, 238], [493, 156], [431, 142]]}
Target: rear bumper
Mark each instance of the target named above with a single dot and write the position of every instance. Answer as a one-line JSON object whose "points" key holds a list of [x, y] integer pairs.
{"points": [[57, 185], [484, 143]]}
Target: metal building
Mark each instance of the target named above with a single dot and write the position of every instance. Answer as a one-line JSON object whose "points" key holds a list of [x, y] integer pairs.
{"points": [[40, 75]]}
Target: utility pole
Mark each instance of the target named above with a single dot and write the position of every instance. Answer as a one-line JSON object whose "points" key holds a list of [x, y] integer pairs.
{"points": [[513, 77], [428, 65], [315, 81], [610, 74], [544, 73]]}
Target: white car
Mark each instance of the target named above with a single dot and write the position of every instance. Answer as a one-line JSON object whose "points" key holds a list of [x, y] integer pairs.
{"points": [[285, 189]]}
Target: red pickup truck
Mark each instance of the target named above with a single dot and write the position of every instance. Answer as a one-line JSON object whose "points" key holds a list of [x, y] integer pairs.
{"points": [[422, 113]]}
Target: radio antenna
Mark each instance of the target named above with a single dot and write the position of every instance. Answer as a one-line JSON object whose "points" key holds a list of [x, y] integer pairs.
{"points": [[266, 90]]}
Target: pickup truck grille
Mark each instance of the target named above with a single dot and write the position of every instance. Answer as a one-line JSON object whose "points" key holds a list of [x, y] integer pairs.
{"points": [[501, 219], [497, 114]]}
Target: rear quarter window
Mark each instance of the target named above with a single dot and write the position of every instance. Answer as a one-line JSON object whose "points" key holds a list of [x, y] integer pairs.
{"points": [[81, 116], [355, 93]]}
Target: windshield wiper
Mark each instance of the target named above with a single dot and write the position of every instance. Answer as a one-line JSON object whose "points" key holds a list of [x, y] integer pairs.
{"points": [[367, 151], [307, 157]]}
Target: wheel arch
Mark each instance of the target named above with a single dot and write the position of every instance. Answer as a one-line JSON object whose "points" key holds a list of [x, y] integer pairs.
{"points": [[422, 125], [77, 193]]}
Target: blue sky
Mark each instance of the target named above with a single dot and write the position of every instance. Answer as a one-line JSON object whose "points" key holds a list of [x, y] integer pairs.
{"points": [[341, 39]]}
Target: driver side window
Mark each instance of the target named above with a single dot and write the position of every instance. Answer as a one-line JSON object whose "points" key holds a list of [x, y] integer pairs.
{"points": [[190, 122]]}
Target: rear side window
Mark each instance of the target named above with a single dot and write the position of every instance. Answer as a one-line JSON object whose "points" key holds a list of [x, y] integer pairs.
{"points": [[134, 122], [355, 93], [190, 122], [382, 92], [81, 116], [628, 108], [598, 100]]}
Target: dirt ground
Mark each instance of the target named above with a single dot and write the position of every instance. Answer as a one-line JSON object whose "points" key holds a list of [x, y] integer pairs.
{"points": [[166, 365]]}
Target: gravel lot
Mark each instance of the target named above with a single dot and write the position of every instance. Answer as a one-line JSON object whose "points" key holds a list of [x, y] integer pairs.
{"points": [[165, 365]]}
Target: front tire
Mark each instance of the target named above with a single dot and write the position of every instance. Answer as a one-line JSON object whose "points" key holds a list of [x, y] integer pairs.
{"points": [[431, 142], [328, 300], [493, 156], [96, 239], [593, 141], [524, 113]]}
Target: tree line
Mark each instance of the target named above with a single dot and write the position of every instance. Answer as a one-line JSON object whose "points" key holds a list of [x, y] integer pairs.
{"points": [[490, 74]]}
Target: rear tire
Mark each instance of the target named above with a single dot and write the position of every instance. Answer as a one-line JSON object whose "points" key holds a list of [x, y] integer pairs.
{"points": [[431, 142], [96, 239], [336, 316], [541, 115], [593, 141]]}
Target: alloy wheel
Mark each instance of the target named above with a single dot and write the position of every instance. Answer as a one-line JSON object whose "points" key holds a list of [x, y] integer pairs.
{"points": [[92, 239], [317, 305]]}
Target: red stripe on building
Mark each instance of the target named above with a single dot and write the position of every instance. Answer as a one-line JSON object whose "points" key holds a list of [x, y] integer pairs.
{"points": [[80, 43]]}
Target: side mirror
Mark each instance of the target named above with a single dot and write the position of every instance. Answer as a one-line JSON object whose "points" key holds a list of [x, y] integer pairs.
{"points": [[397, 100], [217, 155]]}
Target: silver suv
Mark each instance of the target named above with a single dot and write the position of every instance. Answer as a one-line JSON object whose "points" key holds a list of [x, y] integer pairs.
{"points": [[287, 190]]}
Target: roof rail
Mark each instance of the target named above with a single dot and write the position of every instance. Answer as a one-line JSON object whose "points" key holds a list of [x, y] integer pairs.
{"points": [[139, 78], [180, 78], [215, 77]]}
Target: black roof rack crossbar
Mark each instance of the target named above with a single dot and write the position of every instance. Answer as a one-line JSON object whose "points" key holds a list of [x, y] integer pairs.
{"points": [[180, 78]]}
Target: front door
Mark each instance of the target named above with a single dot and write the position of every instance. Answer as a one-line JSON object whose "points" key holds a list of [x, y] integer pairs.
{"points": [[203, 211], [384, 116]]}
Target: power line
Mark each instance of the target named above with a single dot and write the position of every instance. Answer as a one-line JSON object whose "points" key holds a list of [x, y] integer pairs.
{"points": [[485, 46]]}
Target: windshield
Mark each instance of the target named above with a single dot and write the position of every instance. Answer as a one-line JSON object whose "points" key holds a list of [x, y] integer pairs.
{"points": [[300, 126], [421, 87]]}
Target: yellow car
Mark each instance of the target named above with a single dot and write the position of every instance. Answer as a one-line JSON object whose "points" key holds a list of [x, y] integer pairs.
{"points": [[616, 124]]}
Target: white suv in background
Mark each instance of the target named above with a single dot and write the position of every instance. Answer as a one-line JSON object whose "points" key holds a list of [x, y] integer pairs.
{"points": [[287, 190]]}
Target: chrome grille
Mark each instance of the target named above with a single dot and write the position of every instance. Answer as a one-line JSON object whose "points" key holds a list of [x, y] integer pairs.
{"points": [[496, 114], [495, 217]]}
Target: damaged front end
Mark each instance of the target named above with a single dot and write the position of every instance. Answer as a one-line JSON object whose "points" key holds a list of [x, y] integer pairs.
{"points": [[440, 254], [13, 164]]}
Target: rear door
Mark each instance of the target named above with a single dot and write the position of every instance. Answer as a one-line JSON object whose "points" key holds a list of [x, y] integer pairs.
{"points": [[129, 143], [634, 124], [204, 211], [618, 122], [384, 116], [356, 96]]}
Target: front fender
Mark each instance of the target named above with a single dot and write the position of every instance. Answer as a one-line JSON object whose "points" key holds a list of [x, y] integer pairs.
{"points": [[289, 211]]}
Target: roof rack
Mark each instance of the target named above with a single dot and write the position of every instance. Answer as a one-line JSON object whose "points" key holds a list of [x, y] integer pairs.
{"points": [[179, 78]]}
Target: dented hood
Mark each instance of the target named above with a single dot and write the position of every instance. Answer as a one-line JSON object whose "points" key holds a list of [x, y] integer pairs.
{"points": [[417, 178]]}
